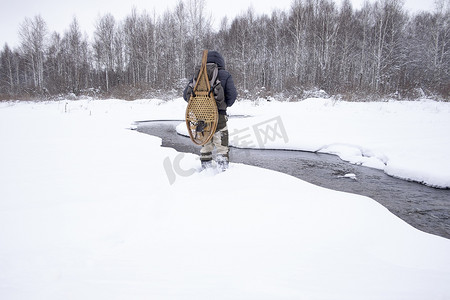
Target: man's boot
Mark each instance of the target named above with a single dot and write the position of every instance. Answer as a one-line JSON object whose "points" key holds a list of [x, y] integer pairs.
{"points": [[206, 164], [222, 162]]}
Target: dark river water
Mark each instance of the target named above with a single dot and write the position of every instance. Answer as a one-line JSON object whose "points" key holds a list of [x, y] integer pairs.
{"points": [[425, 208]]}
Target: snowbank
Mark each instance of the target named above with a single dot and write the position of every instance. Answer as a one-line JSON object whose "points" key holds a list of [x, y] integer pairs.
{"points": [[87, 212], [408, 140]]}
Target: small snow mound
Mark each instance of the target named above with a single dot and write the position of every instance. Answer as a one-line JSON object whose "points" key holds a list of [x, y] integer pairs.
{"points": [[349, 175]]}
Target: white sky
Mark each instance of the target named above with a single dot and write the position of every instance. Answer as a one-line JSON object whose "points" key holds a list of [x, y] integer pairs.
{"points": [[58, 14]]}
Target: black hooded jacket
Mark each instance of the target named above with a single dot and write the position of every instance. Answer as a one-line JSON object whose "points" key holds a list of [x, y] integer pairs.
{"points": [[225, 79]]}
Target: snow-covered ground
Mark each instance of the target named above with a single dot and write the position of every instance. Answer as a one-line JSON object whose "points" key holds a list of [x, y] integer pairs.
{"points": [[92, 210]]}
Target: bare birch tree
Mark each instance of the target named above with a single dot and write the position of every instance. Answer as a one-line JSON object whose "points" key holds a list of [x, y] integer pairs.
{"points": [[104, 45], [32, 35]]}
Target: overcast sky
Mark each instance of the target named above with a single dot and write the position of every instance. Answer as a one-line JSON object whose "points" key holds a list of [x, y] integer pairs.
{"points": [[58, 14]]}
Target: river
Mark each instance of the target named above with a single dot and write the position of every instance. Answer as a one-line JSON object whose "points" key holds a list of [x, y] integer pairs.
{"points": [[423, 207]]}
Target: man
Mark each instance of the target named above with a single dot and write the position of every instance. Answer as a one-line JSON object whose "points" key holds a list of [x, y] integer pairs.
{"points": [[220, 137]]}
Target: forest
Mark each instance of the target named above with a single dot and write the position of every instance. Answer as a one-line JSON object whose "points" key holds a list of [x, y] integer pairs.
{"points": [[378, 51]]}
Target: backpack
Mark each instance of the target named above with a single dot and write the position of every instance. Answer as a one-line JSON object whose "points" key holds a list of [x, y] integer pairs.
{"points": [[216, 87]]}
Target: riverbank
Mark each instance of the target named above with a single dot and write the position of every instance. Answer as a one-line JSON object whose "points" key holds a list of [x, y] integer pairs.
{"points": [[408, 140]]}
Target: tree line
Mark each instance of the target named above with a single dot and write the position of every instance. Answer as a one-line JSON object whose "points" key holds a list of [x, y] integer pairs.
{"points": [[376, 50]]}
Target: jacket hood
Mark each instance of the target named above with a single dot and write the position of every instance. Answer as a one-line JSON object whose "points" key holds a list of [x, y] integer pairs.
{"points": [[215, 57]]}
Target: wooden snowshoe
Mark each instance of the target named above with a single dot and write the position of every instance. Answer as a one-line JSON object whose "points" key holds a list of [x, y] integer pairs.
{"points": [[201, 113]]}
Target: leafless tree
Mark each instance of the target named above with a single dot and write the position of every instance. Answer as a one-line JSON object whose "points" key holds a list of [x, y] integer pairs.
{"points": [[104, 45], [32, 35]]}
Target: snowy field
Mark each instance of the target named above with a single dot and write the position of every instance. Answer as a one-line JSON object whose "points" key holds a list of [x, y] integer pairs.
{"points": [[92, 210]]}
